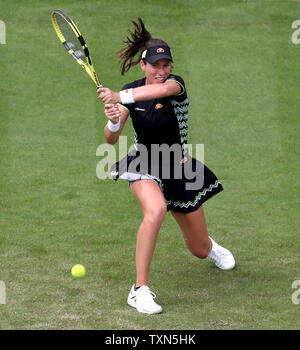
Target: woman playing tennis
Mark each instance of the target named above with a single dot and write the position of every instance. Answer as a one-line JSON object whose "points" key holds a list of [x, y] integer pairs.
{"points": [[158, 107]]}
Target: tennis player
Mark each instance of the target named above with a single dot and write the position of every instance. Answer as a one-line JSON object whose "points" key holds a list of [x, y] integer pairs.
{"points": [[158, 107]]}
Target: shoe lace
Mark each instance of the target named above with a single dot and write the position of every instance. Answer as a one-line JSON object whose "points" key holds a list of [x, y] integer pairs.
{"points": [[221, 252], [148, 293], [218, 254]]}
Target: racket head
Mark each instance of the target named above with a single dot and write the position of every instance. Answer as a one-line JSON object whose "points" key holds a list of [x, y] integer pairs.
{"points": [[74, 43]]}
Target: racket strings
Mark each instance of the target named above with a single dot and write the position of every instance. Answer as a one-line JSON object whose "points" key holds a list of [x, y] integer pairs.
{"points": [[72, 42]]}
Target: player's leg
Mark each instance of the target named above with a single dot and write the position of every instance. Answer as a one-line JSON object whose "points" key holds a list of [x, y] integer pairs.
{"points": [[194, 229], [152, 203]]}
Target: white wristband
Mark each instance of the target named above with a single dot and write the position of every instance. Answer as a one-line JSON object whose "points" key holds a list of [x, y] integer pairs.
{"points": [[114, 127], [126, 96]]}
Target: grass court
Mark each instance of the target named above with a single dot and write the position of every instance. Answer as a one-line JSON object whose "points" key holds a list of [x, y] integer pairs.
{"points": [[242, 73]]}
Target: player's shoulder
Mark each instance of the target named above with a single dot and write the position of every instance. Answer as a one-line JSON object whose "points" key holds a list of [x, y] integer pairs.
{"points": [[177, 78], [134, 84]]}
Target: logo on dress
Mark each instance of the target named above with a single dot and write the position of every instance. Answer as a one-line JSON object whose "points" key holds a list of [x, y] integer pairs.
{"points": [[159, 50], [158, 106]]}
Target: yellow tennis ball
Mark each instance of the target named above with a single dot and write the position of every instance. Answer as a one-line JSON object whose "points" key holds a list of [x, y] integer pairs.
{"points": [[78, 271]]}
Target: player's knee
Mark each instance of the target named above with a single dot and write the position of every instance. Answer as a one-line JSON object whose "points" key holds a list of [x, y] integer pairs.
{"points": [[156, 214]]}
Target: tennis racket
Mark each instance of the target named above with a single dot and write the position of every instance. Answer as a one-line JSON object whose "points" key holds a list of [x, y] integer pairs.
{"points": [[73, 42]]}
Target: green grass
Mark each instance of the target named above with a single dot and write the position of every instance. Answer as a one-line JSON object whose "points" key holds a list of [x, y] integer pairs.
{"points": [[241, 71]]}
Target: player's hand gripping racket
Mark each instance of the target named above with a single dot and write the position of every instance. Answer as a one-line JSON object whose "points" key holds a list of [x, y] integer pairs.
{"points": [[74, 43]]}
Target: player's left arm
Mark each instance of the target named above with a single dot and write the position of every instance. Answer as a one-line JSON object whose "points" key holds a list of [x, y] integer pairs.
{"points": [[143, 93], [153, 91]]}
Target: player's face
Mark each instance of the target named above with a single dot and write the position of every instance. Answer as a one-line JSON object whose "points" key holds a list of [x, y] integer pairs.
{"points": [[157, 72]]}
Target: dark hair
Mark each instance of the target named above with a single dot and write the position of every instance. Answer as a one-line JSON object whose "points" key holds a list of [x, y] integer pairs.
{"points": [[139, 41]]}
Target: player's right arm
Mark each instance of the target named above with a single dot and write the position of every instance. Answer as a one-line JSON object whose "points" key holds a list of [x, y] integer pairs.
{"points": [[114, 114]]}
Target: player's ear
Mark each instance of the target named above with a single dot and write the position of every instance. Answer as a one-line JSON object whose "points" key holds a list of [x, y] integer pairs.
{"points": [[143, 65]]}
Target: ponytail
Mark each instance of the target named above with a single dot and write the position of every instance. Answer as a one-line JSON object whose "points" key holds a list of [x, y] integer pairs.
{"points": [[134, 44]]}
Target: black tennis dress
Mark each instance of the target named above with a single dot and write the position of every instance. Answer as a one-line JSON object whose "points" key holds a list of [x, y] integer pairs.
{"points": [[161, 152]]}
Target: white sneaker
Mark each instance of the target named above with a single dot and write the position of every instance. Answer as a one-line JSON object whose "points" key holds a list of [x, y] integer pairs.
{"points": [[222, 257], [143, 300]]}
